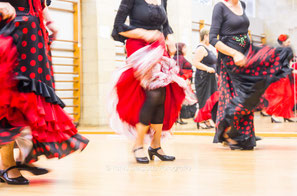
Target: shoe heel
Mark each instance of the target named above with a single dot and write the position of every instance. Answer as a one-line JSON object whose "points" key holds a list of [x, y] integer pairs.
{"points": [[2, 181], [151, 155], [198, 125]]}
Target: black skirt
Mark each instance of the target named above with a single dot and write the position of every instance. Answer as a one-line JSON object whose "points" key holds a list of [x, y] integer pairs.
{"points": [[242, 87]]}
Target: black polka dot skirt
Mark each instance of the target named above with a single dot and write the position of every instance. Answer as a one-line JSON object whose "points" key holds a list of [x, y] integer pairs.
{"points": [[27, 93], [242, 88]]}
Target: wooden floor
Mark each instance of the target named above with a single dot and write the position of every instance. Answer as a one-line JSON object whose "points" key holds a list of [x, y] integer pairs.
{"points": [[107, 167]]}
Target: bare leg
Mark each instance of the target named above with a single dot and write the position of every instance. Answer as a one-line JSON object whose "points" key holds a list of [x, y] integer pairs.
{"points": [[7, 160], [141, 131], [156, 141]]}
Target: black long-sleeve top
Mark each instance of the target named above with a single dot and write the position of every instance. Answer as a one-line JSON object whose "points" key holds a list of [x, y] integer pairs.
{"points": [[141, 15], [225, 22]]}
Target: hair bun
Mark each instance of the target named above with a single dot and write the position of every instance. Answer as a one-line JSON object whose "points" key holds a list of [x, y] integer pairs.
{"points": [[282, 37]]}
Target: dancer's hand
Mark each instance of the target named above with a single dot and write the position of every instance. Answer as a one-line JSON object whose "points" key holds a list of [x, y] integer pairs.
{"points": [[210, 70], [53, 28], [151, 35], [239, 59], [189, 82], [7, 10], [170, 43]]}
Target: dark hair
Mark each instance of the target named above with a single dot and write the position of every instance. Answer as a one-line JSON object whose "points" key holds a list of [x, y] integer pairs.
{"points": [[179, 48], [282, 38]]}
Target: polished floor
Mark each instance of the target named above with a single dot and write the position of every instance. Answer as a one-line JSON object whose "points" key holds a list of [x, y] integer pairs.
{"points": [[262, 125], [107, 168]]}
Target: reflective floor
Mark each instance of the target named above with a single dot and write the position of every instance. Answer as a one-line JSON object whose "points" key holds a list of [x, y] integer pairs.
{"points": [[107, 167]]}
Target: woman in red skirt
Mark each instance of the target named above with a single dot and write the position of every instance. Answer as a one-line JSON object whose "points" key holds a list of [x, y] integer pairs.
{"points": [[148, 92], [281, 96], [30, 111]]}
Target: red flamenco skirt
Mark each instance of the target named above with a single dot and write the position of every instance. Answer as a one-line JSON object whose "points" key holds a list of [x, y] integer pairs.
{"points": [[54, 134], [281, 97], [205, 113], [128, 94]]}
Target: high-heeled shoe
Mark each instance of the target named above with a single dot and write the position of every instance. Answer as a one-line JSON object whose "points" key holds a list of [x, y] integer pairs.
{"points": [[154, 152], [181, 122], [142, 160], [34, 170], [233, 146], [202, 127], [264, 115], [257, 138], [208, 125], [289, 120], [273, 120], [13, 181]]}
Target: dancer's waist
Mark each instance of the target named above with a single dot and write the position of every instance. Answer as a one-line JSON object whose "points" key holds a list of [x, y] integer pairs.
{"points": [[240, 42]]}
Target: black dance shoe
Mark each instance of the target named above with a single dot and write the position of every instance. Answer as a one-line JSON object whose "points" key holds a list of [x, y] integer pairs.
{"points": [[289, 120], [273, 120], [142, 160], [264, 115], [154, 152], [205, 126], [34, 170], [258, 138], [235, 146], [248, 148], [181, 122], [232, 146], [13, 181]]}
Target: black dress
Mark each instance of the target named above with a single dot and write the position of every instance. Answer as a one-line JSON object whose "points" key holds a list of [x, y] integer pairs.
{"points": [[206, 86], [27, 91], [242, 88]]}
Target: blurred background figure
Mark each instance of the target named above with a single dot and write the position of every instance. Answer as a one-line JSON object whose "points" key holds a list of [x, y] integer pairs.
{"points": [[206, 84], [186, 72]]}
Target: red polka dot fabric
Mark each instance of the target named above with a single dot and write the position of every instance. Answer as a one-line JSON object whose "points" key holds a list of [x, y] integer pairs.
{"points": [[242, 88], [26, 66], [33, 52]]}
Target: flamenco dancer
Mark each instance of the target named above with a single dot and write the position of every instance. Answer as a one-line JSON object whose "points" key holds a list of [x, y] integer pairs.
{"points": [[281, 95], [186, 72], [246, 72], [31, 114], [206, 83], [148, 92]]}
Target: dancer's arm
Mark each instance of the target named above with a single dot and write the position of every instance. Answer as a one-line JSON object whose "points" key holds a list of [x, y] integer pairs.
{"points": [[200, 53], [217, 20], [170, 42], [167, 31], [50, 24], [127, 31], [147, 35], [7, 11]]}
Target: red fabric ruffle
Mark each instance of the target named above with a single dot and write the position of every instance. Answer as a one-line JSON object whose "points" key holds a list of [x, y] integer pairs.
{"points": [[281, 98], [132, 96], [205, 112], [48, 122]]}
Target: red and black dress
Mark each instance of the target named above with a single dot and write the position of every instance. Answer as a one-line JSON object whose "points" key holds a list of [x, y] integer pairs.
{"points": [[148, 70], [282, 97], [242, 87], [27, 91], [206, 86]]}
